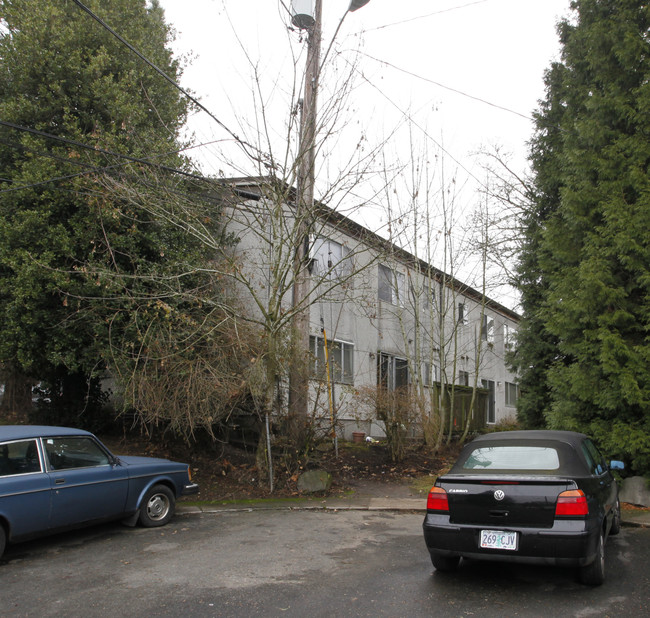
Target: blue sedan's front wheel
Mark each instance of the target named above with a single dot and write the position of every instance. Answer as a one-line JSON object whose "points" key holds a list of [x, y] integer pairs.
{"points": [[3, 539], [158, 506]]}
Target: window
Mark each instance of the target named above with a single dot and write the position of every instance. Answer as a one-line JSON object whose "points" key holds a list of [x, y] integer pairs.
{"points": [[429, 295], [538, 458], [463, 378], [512, 394], [429, 374], [490, 386], [392, 372], [20, 457], [341, 357], [74, 452], [392, 286], [487, 329], [330, 258], [462, 313], [509, 335], [595, 460]]}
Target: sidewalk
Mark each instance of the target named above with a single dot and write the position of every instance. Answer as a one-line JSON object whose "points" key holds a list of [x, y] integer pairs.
{"points": [[635, 518], [364, 498]]}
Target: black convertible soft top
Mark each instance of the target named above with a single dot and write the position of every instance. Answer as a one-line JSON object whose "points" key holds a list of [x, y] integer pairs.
{"points": [[568, 445], [570, 437]]}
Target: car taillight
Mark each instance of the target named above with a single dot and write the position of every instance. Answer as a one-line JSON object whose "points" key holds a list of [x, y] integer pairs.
{"points": [[572, 504], [437, 500]]}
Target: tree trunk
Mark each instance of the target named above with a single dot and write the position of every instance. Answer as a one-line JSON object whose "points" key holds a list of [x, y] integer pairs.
{"points": [[16, 403]]}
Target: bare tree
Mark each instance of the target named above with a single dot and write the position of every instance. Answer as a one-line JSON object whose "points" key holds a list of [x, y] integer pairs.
{"points": [[445, 354], [506, 197], [256, 273]]}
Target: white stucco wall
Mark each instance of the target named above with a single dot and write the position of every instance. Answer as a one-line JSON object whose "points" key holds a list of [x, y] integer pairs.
{"points": [[349, 310]]}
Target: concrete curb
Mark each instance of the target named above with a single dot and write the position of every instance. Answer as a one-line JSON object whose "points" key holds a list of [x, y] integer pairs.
{"points": [[197, 510], [642, 520]]}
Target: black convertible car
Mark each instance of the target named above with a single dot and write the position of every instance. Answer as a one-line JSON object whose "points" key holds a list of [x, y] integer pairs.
{"points": [[544, 497]]}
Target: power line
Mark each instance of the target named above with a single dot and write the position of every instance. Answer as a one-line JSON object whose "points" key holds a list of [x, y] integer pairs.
{"points": [[410, 19], [148, 161], [422, 129], [98, 150], [460, 92], [96, 169], [194, 100], [49, 155]]}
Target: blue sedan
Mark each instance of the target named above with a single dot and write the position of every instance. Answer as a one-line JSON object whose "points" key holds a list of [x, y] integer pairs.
{"points": [[56, 478]]}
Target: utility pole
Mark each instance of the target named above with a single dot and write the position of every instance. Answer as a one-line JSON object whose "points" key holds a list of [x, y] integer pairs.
{"points": [[299, 368]]}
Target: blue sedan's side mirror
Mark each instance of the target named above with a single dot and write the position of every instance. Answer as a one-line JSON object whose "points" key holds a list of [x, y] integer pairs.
{"points": [[616, 465]]}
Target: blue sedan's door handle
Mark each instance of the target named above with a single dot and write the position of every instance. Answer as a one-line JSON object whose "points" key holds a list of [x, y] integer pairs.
{"points": [[59, 481]]}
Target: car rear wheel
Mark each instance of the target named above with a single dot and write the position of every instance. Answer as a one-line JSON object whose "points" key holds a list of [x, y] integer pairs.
{"points": [[616, 522], [158, 506], [594, 574], [445, 563], [3, 539]]}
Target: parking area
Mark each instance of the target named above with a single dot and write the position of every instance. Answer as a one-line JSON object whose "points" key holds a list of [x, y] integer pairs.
{"points": [[297, 563]]}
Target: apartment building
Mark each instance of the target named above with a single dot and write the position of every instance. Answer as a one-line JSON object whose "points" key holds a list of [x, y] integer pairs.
{"points": [[382, 317]]}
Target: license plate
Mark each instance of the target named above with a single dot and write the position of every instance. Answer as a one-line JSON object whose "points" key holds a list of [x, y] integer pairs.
{"points": [[497, 539]]}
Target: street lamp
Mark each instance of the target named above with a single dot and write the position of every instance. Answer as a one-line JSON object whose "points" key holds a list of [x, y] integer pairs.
{"points": [[304, 16], [357, 4]]}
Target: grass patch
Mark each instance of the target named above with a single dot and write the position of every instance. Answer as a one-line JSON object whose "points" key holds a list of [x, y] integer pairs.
{"points": [[254, 501], [422, 484]]}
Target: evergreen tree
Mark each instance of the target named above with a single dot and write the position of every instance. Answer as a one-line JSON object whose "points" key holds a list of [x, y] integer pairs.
{"points": [[75, 258], [536, 347], [585, 337]]}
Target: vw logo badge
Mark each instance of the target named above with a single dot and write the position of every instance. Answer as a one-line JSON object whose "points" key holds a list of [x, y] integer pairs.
{"points": [[499, 494]]}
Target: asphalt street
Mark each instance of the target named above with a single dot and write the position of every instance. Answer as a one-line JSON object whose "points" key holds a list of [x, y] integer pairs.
{"points": [[298, 563]]}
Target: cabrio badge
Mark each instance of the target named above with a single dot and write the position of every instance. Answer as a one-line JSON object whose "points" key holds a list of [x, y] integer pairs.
{"points": [[499, 494]]}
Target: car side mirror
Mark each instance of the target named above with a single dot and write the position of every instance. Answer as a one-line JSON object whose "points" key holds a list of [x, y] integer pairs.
{"points": [[616, 465]]}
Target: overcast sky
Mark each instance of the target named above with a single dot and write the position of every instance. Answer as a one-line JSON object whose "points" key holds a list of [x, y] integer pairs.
{"points": [[470, 72], [421, 54]]}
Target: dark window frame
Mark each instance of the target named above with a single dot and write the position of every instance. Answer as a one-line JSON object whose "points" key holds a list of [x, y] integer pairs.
{"points": [[392, 371], [510, 396], [73, 452], [391, 287], [462, 314], [487, 328], [330, 265], [341, 358], [16, 460]]}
